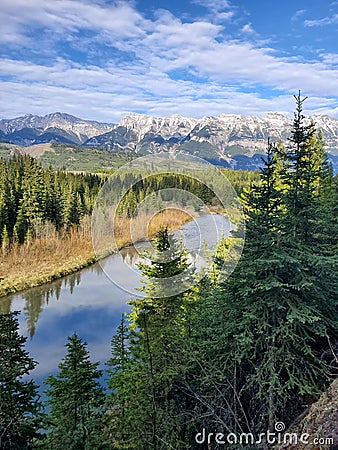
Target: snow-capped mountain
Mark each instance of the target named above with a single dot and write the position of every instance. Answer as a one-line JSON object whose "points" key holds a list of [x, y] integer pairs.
{"points": [[59, 127], [166, 127], [212, 137], [216, 138]]}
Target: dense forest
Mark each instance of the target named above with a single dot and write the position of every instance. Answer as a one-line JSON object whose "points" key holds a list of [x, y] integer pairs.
{"points": [[230, 356], [34, 200]]}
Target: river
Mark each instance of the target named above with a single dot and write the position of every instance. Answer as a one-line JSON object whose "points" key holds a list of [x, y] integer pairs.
{"points": [[89, 303]]}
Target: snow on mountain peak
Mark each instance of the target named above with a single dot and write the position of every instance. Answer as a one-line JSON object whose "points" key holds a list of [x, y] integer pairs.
{"points": [[215, 134]]}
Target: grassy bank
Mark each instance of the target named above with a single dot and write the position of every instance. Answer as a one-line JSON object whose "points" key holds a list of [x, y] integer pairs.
{"points": [[40, 261]]}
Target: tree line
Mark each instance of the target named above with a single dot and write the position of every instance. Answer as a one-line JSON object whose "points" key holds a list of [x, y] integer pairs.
{"points": [[130, 189], [232, 355], [35, 201]]}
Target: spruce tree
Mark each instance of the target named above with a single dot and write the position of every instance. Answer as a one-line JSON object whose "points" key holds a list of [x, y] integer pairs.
{"points": [[276, 310], [76, 401], [309, 218], [20, 407], [148, 384], [266, 326], [5, 242], [120, 380]]}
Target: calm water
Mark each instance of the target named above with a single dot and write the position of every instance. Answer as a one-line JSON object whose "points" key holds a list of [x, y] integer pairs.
{"points": [[89, 303]]}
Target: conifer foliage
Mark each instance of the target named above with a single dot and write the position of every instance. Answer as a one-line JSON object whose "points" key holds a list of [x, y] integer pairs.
{"points": [[145, 378], [276, 313], [20, 408], [230, 355], [76, 401], [36, 201]]}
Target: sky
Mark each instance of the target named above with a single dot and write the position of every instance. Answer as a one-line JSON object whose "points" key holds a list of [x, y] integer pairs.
{"points": [[104, 59]]}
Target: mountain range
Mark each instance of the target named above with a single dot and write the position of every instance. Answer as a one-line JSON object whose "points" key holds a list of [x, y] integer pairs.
{"points": [[229, 139]]}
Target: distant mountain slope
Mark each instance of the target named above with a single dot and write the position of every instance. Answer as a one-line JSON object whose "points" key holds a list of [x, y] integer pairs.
{"points": [[224, 139], [214, 137], [56, 127]]}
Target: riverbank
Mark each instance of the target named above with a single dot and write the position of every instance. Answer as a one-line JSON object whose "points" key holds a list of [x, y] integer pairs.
{"points": [[43, 260]]}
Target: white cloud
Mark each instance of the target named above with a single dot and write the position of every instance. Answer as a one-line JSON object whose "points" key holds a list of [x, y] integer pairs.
{"points": [[172, 66], [220, 11], [108, 95], [298, 14], [217, 5], [247, 28], [60, 16], [322, 22]]}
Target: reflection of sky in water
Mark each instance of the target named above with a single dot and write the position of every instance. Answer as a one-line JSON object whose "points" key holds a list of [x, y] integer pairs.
{"points": [[88, 303], [207, 229], [198, 236]]}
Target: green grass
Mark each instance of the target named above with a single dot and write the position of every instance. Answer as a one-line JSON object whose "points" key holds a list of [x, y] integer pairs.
{"points": [[71, 157]]}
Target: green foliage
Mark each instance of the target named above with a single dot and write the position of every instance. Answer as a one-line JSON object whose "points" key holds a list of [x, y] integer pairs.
{"points": [[131, 189], [234, 354], [240, 353], [76, 401], [267, 325], [33, 198], [20, 408], [148, 361], [74, 157]]}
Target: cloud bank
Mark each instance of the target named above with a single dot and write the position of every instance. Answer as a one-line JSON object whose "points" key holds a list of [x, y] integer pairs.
{"points": [[101, 61]]}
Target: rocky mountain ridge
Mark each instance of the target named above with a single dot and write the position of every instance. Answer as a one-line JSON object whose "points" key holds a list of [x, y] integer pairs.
{"points": [[59, 127], [214, 137]]}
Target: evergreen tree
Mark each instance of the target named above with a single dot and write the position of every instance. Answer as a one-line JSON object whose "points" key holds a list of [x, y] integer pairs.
{"points": [[258, 338], [309, 220], [275, 311], [35, 201], [306, 176], [148, 384], [5, 240], [270, 323], [120, 379], [76, 401], [20, 408], [53, 201], [32, 202]]}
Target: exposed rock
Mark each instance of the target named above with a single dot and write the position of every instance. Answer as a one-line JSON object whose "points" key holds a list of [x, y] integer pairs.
{"points": [[319, 425]]}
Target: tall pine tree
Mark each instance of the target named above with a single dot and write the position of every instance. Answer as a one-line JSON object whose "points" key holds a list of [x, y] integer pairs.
{"points": [[76, 401], [148, 382], [20, 407]]}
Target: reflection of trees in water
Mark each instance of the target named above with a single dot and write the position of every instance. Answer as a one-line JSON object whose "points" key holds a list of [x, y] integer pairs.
{"points": [[131, 255], [96, 268], [37, 298], [5, 305]]}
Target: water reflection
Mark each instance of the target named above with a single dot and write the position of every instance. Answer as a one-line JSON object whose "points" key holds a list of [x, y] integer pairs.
{"points": [[86, 302], [35, 299]]}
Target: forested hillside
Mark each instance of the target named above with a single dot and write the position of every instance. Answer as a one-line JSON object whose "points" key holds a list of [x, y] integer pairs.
{"points": [[35, 201]]}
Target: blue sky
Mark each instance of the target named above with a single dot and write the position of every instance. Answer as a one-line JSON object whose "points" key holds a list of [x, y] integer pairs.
{"points": [[102, 59]]}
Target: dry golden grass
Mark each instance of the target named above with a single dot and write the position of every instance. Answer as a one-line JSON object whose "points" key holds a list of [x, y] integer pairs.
{"points": [[145, 227], [43, 260]]}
